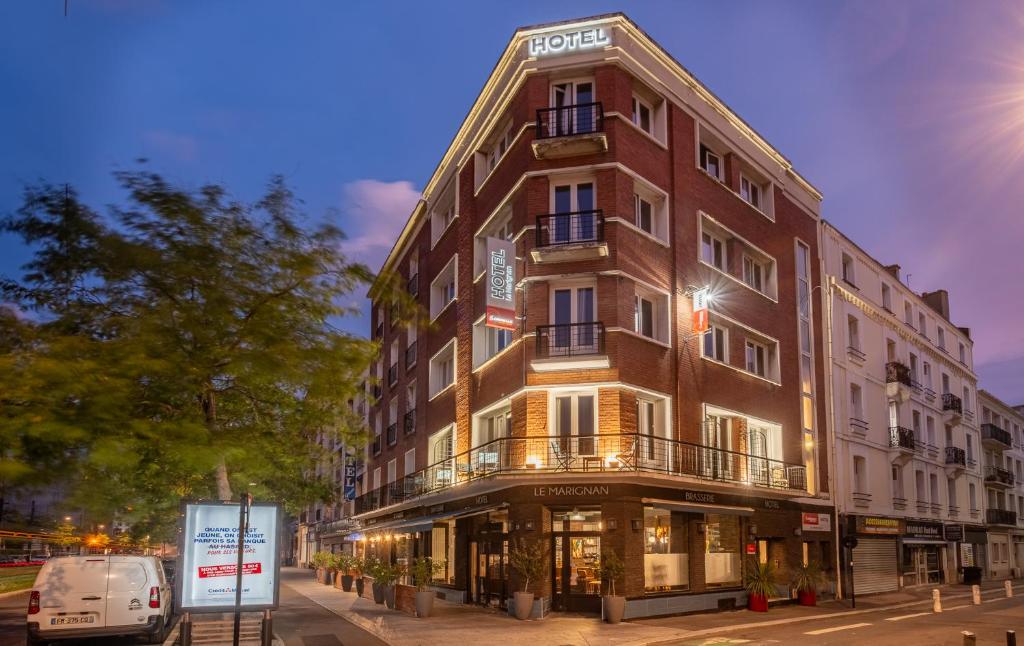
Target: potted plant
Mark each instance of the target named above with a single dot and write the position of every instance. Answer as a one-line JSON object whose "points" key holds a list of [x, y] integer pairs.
{"points": [[423, 571], [806, 580], [528, 559], [375, 568], [330, 568], [759, 581], [389, 575], [345, 570], [358, 567], [319, 561], [611, 568]]}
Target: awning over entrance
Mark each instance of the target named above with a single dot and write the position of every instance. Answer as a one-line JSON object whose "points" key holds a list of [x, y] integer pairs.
{"points": [[700, 508]]}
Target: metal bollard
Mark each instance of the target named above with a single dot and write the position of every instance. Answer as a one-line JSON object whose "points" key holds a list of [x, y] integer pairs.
{"points": [[968, 638], [267, 634], [936, 601], [1011, 638], [185, 631], [976, 595], [1009, 588]]}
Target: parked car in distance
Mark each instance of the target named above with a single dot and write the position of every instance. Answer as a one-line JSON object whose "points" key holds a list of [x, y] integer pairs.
{"points": [[99, 596]]}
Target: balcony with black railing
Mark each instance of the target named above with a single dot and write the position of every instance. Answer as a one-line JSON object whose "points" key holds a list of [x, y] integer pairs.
{"points": [[901, 437], [393, 434], [570, 130], [952, 405], [582, 344], [995, 438], [409, 422], [898, 383], [1000, 517], [393, 374], [590, 455], [956, 457], [999, 477], [562, 237], [410, 355]]}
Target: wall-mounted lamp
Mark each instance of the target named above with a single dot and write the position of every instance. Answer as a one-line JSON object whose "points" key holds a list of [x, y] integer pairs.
{"points": [[612, 524], [529, 525], [637, 524]]}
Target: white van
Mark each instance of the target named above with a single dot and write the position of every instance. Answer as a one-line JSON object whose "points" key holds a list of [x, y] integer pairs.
{"points": [[99, 595]]}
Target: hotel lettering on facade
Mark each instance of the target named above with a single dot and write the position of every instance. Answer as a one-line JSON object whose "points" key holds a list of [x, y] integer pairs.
{"points": [[591, 415]]}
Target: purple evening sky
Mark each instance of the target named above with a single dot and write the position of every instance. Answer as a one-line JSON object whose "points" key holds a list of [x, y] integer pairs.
{"points": [[909, 116]]}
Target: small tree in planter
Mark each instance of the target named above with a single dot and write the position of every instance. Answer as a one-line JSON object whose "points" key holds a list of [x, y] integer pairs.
{"points": [[611, 569], [374, 569], [344, 578], [389, 575], [759, 581], [319, 561], [358, 567], [330, 568], [806, 580], [528, 559], [423, 571]]}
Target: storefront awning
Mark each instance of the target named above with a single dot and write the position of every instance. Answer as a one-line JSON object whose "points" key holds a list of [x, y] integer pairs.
{"points": [[426, 523], [700, 508]]}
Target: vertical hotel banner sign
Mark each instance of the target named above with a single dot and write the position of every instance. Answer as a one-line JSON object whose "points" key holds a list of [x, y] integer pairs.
{"points": [[501, 281], [700, 310], [208, 557]]}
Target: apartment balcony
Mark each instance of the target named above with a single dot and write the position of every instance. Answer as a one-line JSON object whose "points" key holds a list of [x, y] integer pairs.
{"points": [[571, 346], [1001, 517], [956, 460], [856, 354], [952, 408], [998, 477], [410, 356], [409, 422], [929, 394], [570, 130], [564, 237], [858, 427], [899, 502], [861, 499], [993, 437], [590, 455], [413, 285], [897, 381], [901, 444], [393, 434]]}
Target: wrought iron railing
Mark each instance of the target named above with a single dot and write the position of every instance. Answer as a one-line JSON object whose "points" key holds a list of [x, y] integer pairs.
{"points": [[577, 227], [1000, 517], [393, 374], [901, 438], [570, 340], [409, 422], [393, 434], [568, 120], [951, 402], [997, 474], [896, 372], [996, 434], [410, 355], [956, 455], [589, 454]]}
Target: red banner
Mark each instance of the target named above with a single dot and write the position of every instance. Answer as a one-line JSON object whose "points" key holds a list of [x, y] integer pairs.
{"points": [[700, 321], [207, 571], [501, 318]]}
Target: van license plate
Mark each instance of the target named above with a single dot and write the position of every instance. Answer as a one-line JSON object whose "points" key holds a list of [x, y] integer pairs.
{"points": [[64, 621]]}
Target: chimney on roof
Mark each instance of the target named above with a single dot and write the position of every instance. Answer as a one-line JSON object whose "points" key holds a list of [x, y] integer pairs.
{"points": [[894, 270], [965, 330], [938, 301]]}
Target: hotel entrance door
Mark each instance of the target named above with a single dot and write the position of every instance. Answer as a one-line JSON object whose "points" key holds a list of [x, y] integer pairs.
{"points": [[575, 556]]}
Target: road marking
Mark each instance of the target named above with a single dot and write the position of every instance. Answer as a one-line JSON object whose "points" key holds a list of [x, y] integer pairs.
{"points": [[901, 618], [956, 607], [837, 628]]}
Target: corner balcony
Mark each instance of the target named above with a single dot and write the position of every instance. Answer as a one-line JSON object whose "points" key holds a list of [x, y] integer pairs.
{"points": [[897, 381], [588, 455], [570, 130], [1001, 517], [570, 346], [952, 408], [993, 437], [998, 477], [409, 422], [956, 460], [901, 444], [565, 237]]}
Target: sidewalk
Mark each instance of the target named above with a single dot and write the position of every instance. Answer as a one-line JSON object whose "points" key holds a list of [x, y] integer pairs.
{"points": [[471, 624]]}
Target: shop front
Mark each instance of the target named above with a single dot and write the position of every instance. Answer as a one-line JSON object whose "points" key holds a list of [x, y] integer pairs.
{"points": [[875, 557], [923, 553], [973, 553]]}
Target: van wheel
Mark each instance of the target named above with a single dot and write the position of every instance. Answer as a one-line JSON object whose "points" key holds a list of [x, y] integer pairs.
{"points": [[160, 634]]}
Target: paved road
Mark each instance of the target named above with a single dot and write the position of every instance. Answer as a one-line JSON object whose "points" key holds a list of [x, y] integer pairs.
{"points": [[902, 627], [300, 622]]}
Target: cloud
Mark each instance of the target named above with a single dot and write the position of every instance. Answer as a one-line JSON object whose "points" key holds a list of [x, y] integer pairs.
{"points": [[375, 212], [180, 147]]}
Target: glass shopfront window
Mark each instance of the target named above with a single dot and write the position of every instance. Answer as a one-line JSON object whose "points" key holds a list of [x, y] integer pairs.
{"points": [[588, 520], [666, 553], [722, 545], [442, 550]]}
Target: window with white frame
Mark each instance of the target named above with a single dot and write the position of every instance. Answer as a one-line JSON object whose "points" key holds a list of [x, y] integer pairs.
{"points": [[963, 353], [643, 115], [442, 369], [860, 474], [492, 426], [410, 462], [443, 287], [886, 297], [760, 358], [711, 162], [751, 192], [442, 213], [897, 481], [712, 250], [922, 324], [499, 147], [392, 470], [650, 314], [853, 331], [488, 342], [755, 273], [941, 335], [856, 402], [499, 227], [376, 478], [575, 420], [716, 344], [908, 313], [848, 270]]}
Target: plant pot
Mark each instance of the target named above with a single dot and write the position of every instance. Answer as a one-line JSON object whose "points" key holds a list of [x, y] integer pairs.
{"points": [[359, 586], [807, 597], [389, 596], [346, 582], [378, 592], [524, 604], [424, 603], [757, 603], [319, 575], [614, 608], [329, 577]]}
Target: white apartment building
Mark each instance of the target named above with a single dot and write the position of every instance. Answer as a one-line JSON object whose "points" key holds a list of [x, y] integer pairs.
{"points": [[907, 475], [1003, 461]]}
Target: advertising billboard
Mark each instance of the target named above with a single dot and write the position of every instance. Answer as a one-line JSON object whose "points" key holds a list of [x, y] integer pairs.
{"points": [[501, 284], [208, 557]]}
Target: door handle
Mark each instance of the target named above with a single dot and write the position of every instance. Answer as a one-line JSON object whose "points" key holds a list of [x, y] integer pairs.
{"points": [[91, 598]]}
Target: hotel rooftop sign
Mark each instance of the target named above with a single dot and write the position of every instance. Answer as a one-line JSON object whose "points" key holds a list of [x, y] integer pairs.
{"points": [[564, 42]]}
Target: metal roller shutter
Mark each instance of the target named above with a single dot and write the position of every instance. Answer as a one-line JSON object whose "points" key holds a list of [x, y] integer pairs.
{"points": [[874, 566]]}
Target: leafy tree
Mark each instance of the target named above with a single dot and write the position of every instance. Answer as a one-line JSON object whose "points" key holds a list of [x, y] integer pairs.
{"points": [[65, 536], [184, 346]]}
